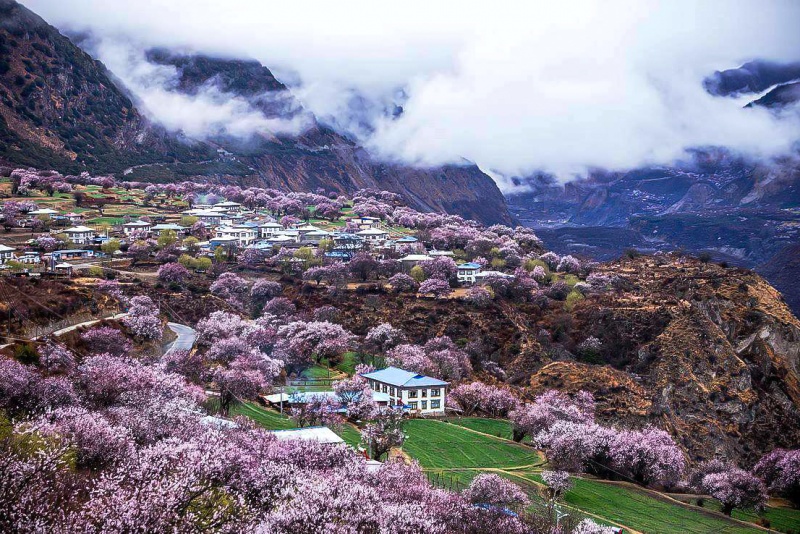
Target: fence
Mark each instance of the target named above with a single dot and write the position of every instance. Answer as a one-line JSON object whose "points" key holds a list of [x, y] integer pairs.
{"points": [[445, 481], [311, 382]]}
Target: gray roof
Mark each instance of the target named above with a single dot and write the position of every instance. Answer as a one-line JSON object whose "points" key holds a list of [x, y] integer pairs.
{"points": [[402, 378], [321, 434]]}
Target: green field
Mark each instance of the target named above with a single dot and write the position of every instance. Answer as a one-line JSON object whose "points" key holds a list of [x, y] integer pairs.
{"points": [[349, 434], [348, 363], [496, 427], [441, 445], [316, 372], [265, 417], [272, 420], [640, 511], [782, 519]]}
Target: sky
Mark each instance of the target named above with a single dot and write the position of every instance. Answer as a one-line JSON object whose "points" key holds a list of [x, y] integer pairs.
{"points": [[517, 87]]}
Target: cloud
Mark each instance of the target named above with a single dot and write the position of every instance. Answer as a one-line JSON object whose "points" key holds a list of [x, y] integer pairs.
{"points": [[516, 87], [209, 112]]}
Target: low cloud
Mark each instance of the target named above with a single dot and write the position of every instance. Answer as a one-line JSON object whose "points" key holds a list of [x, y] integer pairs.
{"points": [[517, 88], [209, 112]]}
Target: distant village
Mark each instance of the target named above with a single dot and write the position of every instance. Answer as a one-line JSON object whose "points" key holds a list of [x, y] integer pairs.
{"points": [[231, 228]]}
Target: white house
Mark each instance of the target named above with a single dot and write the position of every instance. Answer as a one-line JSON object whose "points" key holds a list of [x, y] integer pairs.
{"points": [[315, 237], [165, 227], [481, 276], [269, 229], [467, 271], [29, 258], [209, 218], [6, 253], [441, 253], [135, 227], [373, 235], [365, 223], [80, 235], [245, 235], [294, 235], [411, 260], [421, 393], [43, 211], [74, 218], [230, 207]]}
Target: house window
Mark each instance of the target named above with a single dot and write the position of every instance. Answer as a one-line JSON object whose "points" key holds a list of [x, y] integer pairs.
{"points": [[435, 404], [412, 394], [424, 392], [413, 405], [434, 393], [391, 391], [424, 405], [385, 388]]}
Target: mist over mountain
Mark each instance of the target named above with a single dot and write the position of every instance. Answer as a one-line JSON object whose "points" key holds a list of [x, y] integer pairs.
{"points": [[161, 115], [669, 143], [527, 89]]}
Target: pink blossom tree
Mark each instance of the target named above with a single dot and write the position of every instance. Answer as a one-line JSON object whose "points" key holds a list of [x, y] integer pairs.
{"points": [[356, 397], [219, 325], [478, 296], [440, 267], [314, 410], [302, 342], [143, 318], [402, 283], [383, 433], [492, 489], [479, 397], [264, 290], [106, 339], [280, 307], [173, 273], [436, 287], [649, 456], [557, 483], [363, 266], [735, 488], [383, 338], [97, 442], [780, 470], [548, 408], [451, 362], [240, 381], [411, 358], [230, 287], [56, 358]]}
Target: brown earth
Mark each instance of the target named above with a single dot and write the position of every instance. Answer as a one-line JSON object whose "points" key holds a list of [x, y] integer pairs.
{"points": [[710, 354]]}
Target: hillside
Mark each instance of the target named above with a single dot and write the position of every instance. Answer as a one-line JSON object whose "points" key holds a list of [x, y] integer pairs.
{"points": [[62, 109], [708, 353], [738, 211]]}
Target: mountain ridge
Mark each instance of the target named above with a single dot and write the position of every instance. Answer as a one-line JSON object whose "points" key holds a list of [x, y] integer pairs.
{"points": [[62, 109]]}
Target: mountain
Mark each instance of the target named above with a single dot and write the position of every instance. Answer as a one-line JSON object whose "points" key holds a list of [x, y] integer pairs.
{"points": [[708, 353], [779, 97], [320, 156], [783, 271], [752, 77], [734, 209], [62, 109]]}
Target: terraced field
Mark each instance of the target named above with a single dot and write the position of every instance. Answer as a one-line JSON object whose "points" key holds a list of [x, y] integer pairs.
{"points": [[441, 445]]}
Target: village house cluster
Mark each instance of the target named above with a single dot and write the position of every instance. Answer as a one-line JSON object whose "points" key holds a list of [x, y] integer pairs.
{"points": [[230, 227]]}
